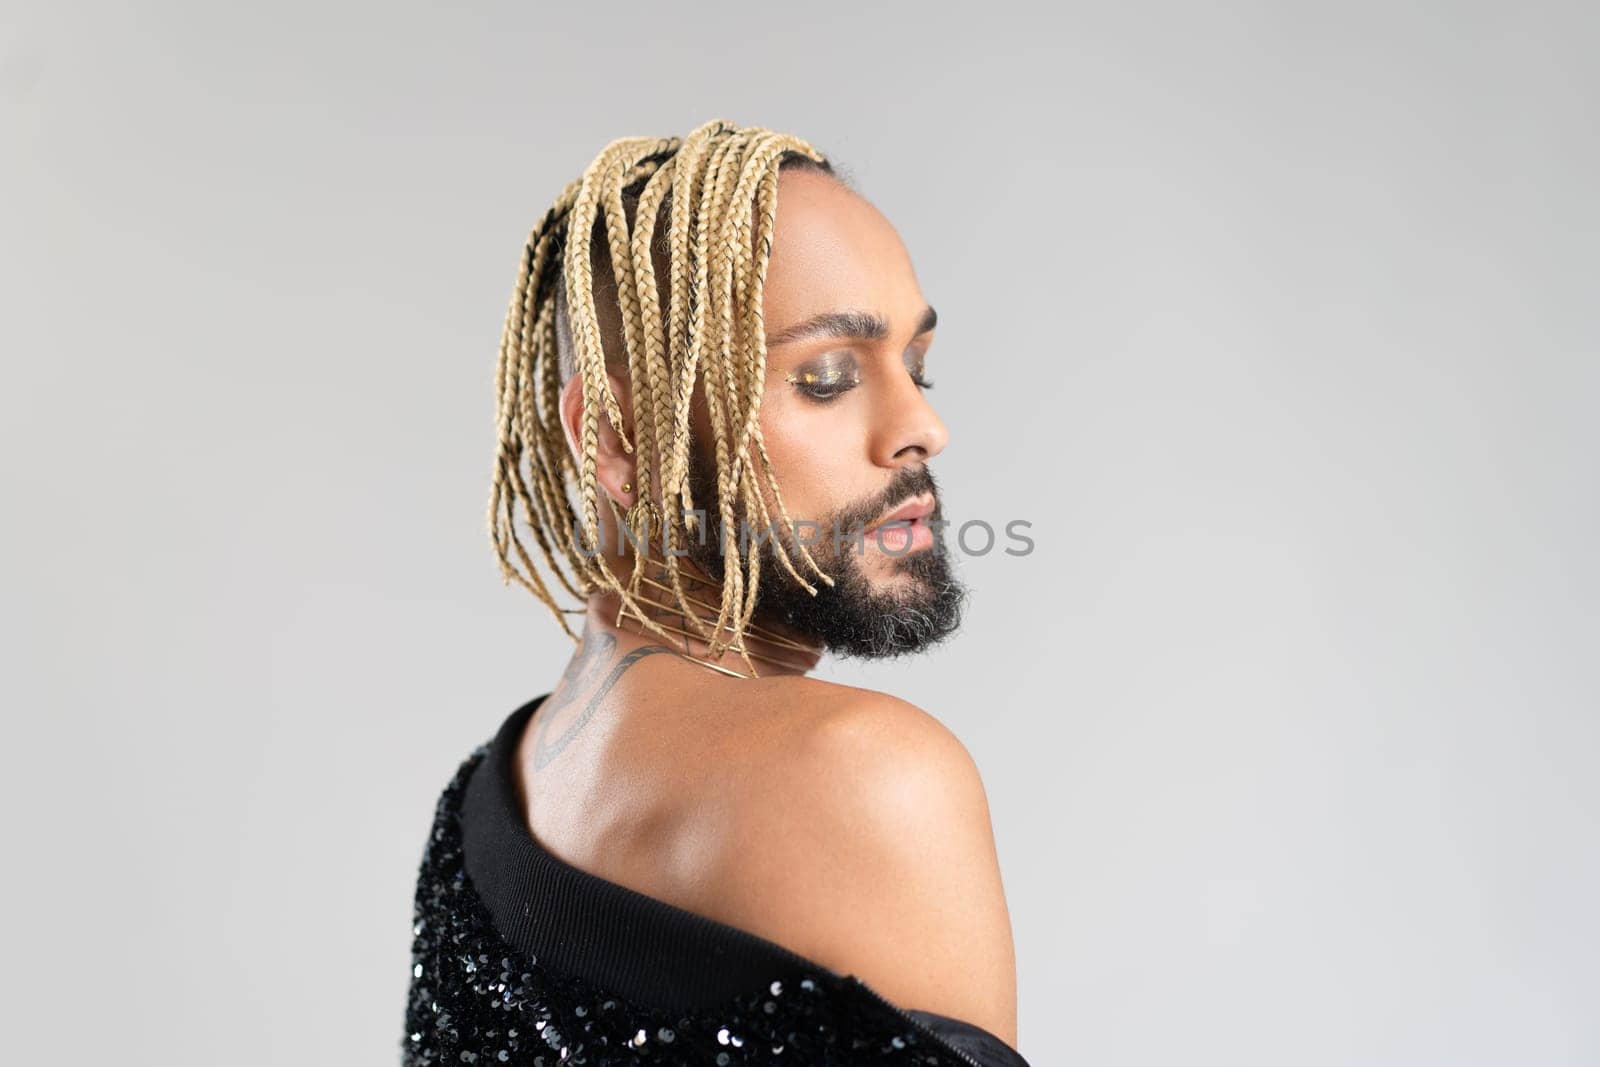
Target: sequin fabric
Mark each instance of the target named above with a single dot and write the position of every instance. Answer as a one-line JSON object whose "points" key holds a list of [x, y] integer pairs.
{"points": [[474, 999]]}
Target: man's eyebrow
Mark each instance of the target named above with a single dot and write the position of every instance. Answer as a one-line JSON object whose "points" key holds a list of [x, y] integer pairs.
{"points": [[863, 325], [860, 325]]}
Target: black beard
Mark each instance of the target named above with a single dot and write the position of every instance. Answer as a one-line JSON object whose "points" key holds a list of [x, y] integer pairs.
{"points": [[850, 618]]}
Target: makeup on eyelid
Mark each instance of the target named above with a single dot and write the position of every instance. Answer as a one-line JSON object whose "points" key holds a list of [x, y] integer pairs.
{"points": [[916, 363], [826, 380]]}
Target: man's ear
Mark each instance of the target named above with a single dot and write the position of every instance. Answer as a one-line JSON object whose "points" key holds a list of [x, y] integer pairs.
{"points": [[613, 464]]}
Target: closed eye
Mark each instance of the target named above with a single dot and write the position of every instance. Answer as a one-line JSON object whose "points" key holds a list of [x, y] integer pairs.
{"points": [[825, 383], [915, 361]]}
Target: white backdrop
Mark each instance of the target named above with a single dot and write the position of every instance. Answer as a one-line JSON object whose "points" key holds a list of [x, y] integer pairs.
{"points": [[1277, 321]]}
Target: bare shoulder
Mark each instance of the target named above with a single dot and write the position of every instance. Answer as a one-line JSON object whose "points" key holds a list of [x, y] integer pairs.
{"points": [[859, 835]]}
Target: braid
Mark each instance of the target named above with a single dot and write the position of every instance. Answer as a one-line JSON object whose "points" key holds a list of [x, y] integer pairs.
{"points": [[690, 199], [715, 355]]}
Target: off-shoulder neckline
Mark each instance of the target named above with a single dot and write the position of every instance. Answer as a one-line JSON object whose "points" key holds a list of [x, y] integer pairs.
{"points": [[640, 947]]}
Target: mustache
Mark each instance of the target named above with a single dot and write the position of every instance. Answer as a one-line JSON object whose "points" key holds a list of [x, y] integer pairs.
{"points": [[907, 482]]}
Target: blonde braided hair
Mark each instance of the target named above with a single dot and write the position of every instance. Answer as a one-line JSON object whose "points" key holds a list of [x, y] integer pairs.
{"points": [[705, 185]]}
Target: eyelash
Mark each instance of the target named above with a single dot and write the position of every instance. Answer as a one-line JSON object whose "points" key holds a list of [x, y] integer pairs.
{"points": [[826, 393], [823, 393]]}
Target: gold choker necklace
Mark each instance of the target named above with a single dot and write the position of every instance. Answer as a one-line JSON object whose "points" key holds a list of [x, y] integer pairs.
{"points": [[739, 646]]}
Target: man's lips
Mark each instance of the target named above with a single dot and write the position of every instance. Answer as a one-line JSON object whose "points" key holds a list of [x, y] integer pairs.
{"points": [[912, 511]]}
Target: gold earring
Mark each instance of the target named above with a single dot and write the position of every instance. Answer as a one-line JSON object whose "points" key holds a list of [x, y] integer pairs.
{"points": [[627, 487]]}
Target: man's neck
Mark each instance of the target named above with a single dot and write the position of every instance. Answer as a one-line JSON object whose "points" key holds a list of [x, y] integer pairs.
{"points": [[773, 649]]}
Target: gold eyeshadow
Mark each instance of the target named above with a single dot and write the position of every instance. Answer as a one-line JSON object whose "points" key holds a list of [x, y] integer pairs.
{"points": [[826, 376], [916, 364], [827, 379]]}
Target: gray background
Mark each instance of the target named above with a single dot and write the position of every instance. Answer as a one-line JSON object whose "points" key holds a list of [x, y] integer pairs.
{"points": [[1277, 321]]}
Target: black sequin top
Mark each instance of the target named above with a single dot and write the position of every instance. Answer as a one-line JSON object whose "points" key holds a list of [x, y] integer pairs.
{"points": [[521, 958]]}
